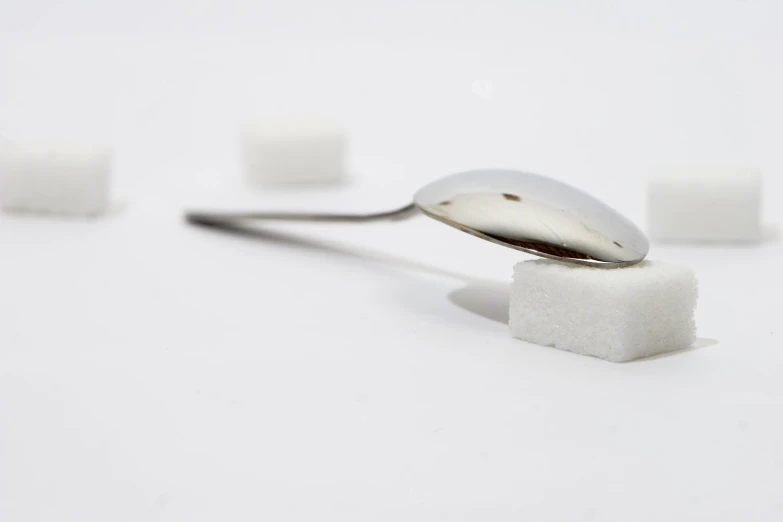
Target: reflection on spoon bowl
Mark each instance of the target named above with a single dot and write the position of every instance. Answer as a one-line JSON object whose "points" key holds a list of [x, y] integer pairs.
{"points": [[534, 214]]}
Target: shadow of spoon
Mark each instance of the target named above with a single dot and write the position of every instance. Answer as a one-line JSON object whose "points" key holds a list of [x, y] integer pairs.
{"points": [[487, 299]]}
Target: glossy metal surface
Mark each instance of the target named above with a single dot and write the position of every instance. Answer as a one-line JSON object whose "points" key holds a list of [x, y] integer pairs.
{"points": [[515, 209], [232, 218], [534, 214]]}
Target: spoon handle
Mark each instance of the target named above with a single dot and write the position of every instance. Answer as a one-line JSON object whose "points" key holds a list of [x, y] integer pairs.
{"points": [[233, 218]]}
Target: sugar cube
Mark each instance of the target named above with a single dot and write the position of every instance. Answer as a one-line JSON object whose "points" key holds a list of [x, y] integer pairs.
{"points": [[614, 314]]}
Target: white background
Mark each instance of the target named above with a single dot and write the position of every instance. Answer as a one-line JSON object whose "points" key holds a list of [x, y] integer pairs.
{"points": [[154, 371]]}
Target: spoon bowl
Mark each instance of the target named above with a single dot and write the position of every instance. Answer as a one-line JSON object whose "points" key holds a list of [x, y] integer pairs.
{"points": [[535, 214]]}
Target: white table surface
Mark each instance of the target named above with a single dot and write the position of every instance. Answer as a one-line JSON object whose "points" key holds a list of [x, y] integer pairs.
{"points": [[150, 370]]}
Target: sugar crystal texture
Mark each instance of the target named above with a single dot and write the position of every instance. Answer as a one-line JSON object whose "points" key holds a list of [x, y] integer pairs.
{"points": [[613, 314]]}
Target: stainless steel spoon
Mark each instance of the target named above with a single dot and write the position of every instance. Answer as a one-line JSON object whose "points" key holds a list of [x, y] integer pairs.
{"points": [[519, 210]]}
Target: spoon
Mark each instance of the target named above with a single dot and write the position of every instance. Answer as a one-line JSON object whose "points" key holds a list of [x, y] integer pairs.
{"points": [[519, 210]]}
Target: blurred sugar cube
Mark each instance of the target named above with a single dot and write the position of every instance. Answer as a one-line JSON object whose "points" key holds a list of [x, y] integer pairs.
{"points": [[705, 205], [54, 178], [293, 151]]}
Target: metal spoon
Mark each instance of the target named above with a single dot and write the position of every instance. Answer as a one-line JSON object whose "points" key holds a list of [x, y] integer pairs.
{"points": [[519, 210]]}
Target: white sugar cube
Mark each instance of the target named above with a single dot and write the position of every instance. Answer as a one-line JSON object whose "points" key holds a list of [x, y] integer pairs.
{"points": [[293, 151], [614, 314], [705, 205], [57, 179]]}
